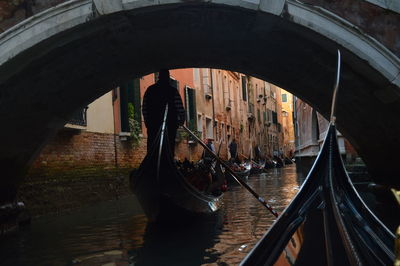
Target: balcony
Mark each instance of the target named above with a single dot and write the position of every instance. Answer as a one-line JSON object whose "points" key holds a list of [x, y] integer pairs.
{"points": [[78, 119]]}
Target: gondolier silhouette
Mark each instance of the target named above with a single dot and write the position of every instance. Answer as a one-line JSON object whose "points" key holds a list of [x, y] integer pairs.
{"points": [[155, 99], [233, 151]]}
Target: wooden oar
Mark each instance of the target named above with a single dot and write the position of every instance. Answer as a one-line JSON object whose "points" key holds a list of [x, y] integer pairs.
{"points": [[237, 179], [161, 142]]}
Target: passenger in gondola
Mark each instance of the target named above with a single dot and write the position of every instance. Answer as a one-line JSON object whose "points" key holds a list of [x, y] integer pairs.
{"points": [[187, 166], [155, 99], [207, 157], [210, 145]]}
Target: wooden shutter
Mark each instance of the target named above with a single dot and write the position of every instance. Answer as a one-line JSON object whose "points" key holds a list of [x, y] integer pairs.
{"points": [[190, 102], [244, 88]]}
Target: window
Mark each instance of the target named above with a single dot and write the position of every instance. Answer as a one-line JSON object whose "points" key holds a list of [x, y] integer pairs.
{"points": [[284, 98], [175, 83], [79, 117], [257, 90], [209, 128], [223, 133], [269, 115], [244, 88], [130, 102], [199, 123], [274, 117]]}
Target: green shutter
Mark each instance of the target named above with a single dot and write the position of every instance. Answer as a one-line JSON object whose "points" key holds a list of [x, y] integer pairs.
{"points": [[123, 92], [244, 88], [130, 94], [192, 109], [136, 100], [274, 117], [174, 83], [190, 103]]}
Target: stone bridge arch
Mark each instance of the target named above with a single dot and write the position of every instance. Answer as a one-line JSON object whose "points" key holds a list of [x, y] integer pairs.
{"points": [[68, 55]]}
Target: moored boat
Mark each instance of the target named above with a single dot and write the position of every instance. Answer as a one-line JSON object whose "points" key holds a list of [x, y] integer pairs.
{"points": [[257, 168], [241, 171]]}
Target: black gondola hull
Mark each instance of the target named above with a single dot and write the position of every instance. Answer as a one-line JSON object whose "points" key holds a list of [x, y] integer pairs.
{"points": [[244, 175], [327, 223], [166, 195]]}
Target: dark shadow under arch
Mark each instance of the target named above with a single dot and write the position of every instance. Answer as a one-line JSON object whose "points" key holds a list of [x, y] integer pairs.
{"points": [[49, 81]]}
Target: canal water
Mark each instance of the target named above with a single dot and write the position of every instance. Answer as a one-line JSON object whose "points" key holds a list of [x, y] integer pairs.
{"points": [[117, 233]]}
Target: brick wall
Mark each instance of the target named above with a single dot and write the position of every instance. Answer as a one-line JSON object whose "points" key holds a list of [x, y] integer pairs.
{"points": [[70, 148], [79, 168]]}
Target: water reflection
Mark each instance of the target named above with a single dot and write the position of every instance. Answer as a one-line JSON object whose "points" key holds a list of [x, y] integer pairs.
{"points": [[117, 232], [246, 220]]}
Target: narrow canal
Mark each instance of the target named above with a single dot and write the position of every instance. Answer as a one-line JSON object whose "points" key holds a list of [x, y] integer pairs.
{"points": [[117, 233]]}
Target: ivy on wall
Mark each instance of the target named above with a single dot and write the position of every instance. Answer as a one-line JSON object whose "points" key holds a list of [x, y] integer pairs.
{"points": [[134, 125]]}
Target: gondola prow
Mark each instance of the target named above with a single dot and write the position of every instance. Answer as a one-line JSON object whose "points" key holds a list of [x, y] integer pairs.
{"points": [[335, 89]]}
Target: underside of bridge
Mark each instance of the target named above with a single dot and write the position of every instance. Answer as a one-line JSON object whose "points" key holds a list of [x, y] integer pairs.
{"points": [[41, 86]]}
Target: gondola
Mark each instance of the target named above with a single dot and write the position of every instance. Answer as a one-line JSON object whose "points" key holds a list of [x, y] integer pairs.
{"points": [[269, 163], [257, 168], [163, 191], [242, 171], [288, 160], [327, 223]]}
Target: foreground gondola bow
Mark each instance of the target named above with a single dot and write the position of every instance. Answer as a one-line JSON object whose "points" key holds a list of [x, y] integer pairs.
{"points": [[327, 223]]}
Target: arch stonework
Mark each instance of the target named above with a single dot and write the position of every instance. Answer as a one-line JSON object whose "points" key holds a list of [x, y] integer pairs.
{"points": [[68, 55]]}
